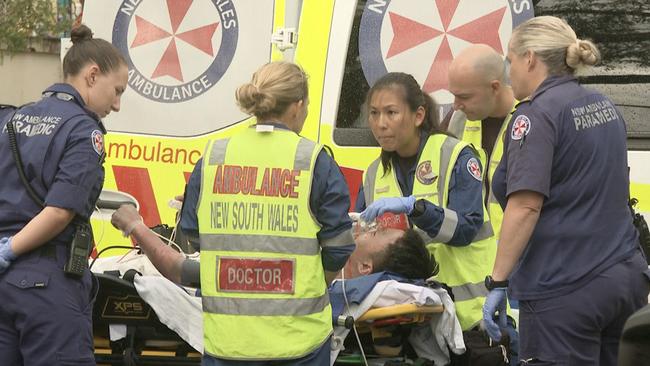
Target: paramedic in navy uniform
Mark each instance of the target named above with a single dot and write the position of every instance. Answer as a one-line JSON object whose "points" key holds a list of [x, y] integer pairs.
{"points": [[46, 316], [567, 246]]}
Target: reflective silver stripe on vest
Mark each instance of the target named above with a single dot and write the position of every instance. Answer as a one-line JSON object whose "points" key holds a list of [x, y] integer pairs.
{"points": [[448, 227], [218, 153], [423, 234], [492, 198], [457, 124], [446, 150], [303, 154], [262, 307], [486, 231], [369, 183], [469, 291], [344, 238], [259, 243]]}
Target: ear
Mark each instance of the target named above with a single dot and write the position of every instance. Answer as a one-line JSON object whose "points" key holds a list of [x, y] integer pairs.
{"points": [[532, 59], [91, 74], [495, 85], [365, 267], [420, 113]]}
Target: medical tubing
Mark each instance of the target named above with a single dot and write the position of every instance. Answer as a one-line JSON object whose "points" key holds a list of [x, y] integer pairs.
{"points": [[107, 248], [354, 327]]}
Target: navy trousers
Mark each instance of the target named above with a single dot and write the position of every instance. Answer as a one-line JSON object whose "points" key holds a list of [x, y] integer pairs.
{"points": [[583, 327], [45, 316]]}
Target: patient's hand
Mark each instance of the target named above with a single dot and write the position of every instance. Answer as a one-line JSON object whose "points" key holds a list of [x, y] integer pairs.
{"points": [[126, 218]]}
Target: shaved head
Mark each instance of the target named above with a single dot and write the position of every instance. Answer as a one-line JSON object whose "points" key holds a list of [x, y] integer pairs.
{"points": [[479, 61], [477, 79]]}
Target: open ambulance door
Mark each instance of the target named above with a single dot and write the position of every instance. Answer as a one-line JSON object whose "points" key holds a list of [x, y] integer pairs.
{"points": [[186, 58]]}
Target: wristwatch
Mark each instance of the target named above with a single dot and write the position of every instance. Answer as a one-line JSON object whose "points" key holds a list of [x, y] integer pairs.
{"points": [[418, 208], [491, 284]]}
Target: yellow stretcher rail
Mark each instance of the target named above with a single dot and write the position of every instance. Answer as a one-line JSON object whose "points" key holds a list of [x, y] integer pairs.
{"points": [[399, 310]]}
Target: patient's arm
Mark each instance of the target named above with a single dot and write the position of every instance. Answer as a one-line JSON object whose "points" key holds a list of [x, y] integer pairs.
{"points": [[166, 260]]}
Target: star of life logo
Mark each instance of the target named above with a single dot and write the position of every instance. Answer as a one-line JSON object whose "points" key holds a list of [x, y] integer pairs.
{"points": [[422, 37], [176, 50]]}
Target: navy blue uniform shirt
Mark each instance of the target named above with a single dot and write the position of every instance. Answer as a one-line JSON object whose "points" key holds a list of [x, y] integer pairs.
{"points": [[61, 145], [5, 111], [568, 143], [329, 201], [465, 197]]}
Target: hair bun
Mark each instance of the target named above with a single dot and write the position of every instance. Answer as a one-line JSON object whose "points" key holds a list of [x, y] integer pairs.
{"points": [[80, 34], [582, 53]]}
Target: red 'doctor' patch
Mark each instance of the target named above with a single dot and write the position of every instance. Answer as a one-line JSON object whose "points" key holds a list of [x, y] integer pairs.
{"points": [[257, 275]]}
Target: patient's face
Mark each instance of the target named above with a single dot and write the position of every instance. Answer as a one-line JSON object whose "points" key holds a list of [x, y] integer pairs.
{"points": [[368, 245]]}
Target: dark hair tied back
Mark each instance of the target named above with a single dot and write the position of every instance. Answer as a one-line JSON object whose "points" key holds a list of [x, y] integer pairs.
{"points": [[86, 49], [81, 33]]}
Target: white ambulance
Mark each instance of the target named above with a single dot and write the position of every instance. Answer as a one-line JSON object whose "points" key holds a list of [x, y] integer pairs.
{"points": [[187, 57]]}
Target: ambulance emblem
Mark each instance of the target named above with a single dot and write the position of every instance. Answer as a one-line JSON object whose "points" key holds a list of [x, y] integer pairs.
{"points": [[520, 127], [178, 56], [474, 169], [422, 37], [97, 139], [424, 174]]}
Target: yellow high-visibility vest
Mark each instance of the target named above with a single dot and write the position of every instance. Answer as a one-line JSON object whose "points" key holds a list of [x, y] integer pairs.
{"points": [[262, 280], [471, 132], [462, 268]]}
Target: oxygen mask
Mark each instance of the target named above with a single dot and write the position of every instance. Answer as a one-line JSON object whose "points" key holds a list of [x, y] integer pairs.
{"points": [[385, 221]]}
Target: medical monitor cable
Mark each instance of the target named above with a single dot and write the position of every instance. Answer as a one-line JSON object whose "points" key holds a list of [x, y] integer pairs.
{"points": [[354, 327]]}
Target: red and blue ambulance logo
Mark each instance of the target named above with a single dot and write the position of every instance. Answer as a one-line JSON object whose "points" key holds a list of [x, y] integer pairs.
{"points": [[97, 139], [474, 169], [421, 37], [520, 127], [177, 55]]}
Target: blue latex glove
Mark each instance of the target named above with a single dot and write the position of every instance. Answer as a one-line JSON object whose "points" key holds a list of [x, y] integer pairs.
{"points": [[6, 254], [495, 302], [396, 205]]}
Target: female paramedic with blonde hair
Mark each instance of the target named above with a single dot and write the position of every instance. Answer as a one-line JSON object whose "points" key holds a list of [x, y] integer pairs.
{"points": [[46, 313], [269, 210], [568, 250]]}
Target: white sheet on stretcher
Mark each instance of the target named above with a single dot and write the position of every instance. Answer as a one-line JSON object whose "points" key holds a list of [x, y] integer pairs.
{"points": [[181, 312], [430, 341]]}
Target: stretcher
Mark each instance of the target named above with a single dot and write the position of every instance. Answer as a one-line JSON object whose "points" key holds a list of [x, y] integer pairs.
{"points": [[140, 338], [383, 333], [129, 330], [134, 323]]}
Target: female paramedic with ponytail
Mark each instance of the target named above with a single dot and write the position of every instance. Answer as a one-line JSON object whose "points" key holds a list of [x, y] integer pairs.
{"points": [[568, 250], [436, 180], [269, 210], [46, 315]]}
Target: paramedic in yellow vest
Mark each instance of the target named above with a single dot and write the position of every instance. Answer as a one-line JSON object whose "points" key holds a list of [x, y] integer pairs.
{"points": [[269, 209], [483, 102], [436, 180]]}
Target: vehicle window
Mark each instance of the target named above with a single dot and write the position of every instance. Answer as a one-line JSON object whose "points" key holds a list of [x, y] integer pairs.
{"points": [[621, 30]]}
